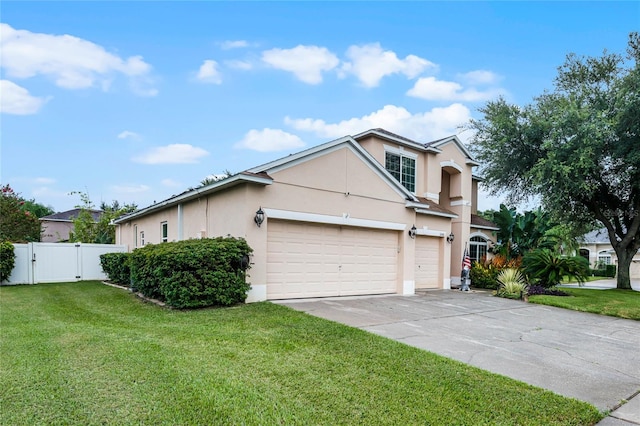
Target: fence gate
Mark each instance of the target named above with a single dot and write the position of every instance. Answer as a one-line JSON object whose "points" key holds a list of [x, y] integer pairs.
{"points": [[59, 262]]}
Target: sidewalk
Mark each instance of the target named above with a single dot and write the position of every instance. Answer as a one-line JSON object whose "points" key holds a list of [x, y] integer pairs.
{"points": [[603, 284]]}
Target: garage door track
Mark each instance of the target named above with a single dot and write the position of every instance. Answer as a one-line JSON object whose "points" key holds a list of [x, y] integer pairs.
{"points": [[589, 357]]}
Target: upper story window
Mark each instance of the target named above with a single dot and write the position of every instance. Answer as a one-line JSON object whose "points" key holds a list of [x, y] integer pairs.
{"points": [[402, 167], [164, 231]]}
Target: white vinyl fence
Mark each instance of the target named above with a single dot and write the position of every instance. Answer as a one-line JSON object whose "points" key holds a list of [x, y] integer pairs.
{"points": [[59, 262]]}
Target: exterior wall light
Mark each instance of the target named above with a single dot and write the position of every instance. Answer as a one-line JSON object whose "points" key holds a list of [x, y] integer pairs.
{"points": [[412, 232], [259, 217], [450, 238]]}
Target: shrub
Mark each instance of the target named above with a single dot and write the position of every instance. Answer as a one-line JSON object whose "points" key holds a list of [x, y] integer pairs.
{"points": [[538, 289], [547, 268], [485, 274], [512, 284], [193, 273], [116, 267], [610, 271], [7, 260]]}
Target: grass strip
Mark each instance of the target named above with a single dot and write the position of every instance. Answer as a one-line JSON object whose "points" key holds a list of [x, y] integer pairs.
{"points": [[612, 302]]}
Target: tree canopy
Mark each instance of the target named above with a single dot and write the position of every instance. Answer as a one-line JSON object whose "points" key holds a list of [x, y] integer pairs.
{"points": [[576, 147], [17, 223], [88, 230]]}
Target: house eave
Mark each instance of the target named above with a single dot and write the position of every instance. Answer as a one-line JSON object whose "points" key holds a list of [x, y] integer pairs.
{"points": [[399, 141], [432, 213], [196, 193]]}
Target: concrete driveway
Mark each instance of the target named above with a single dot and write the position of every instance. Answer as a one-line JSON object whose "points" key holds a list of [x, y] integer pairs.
{"points": [[589, 357]]}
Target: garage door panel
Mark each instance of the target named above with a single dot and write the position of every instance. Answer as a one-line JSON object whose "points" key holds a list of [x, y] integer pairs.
{"points": [[311, 260], [427, 264]]}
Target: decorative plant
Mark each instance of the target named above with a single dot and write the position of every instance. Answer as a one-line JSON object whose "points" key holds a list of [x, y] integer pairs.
{"points": [[547, 268], [512, 284]]}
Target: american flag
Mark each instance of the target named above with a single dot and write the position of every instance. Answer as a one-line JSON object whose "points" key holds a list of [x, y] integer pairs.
{"points": [[466, 260]]}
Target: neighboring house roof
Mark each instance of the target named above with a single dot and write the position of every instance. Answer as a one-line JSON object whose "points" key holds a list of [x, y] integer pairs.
{"points": [[482, 223], [69, 215], [599, 236]]}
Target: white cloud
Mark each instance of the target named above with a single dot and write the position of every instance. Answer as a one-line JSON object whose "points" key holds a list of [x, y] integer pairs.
{"points": [[44, 181], [369, 63], [234, 44], [239, 65], [269, 140], [431, 89], [209, 73], [17, 100], [126, 134], [307, 63], [73, 63], [129, 189], [170, 183], [172, 154], [479, 77], [423, 127]]}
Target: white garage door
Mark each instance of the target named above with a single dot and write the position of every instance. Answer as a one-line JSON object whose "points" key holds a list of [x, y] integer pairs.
{"points": [[427, 262], [310, 260], [634, 270]]}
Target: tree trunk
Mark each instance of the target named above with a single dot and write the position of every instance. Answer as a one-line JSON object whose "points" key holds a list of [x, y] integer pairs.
{"points": [[624, 264]]}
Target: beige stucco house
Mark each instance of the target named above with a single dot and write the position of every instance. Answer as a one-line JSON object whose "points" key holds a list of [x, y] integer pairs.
{"points": [[596, 248], [56, 228], [372, 213]]}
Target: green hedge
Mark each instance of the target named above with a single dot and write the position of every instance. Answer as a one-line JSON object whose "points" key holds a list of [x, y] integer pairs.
{"points": [[605, 271], [7, 260], [116, 267], [193, 273]]}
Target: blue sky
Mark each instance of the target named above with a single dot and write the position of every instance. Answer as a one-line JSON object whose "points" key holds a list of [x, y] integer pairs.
{"points": [[136, 101]]}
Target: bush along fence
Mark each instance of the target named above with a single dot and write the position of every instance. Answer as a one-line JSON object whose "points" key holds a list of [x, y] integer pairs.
{"points": [[185, 274]]}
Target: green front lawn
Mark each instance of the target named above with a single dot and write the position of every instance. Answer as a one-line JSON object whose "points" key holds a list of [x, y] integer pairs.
{"points": [[85, 354], [613, 302]]}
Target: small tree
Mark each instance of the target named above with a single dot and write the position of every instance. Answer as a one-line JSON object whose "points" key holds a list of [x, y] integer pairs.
{"points": [[86, 229], [16, 224]]}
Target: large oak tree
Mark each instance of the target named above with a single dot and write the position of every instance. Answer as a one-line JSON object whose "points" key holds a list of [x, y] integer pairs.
{"points": [[576, 147]]}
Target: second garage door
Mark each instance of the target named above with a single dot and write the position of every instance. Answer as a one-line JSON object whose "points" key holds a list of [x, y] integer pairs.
{"points": [[427, 262], [312, 260]]}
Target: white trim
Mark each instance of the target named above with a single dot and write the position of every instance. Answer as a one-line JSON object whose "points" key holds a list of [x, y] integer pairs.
{"points": [[180, 223], [399, 151], [430, 232], [490, 228], [411, 144], [423, 211], [416, 205], [479, 234], [458, 143], [258, 293], [460, 203], [451, 163], [344, 220], [408, 287], [446, 284], [432, 196]]}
